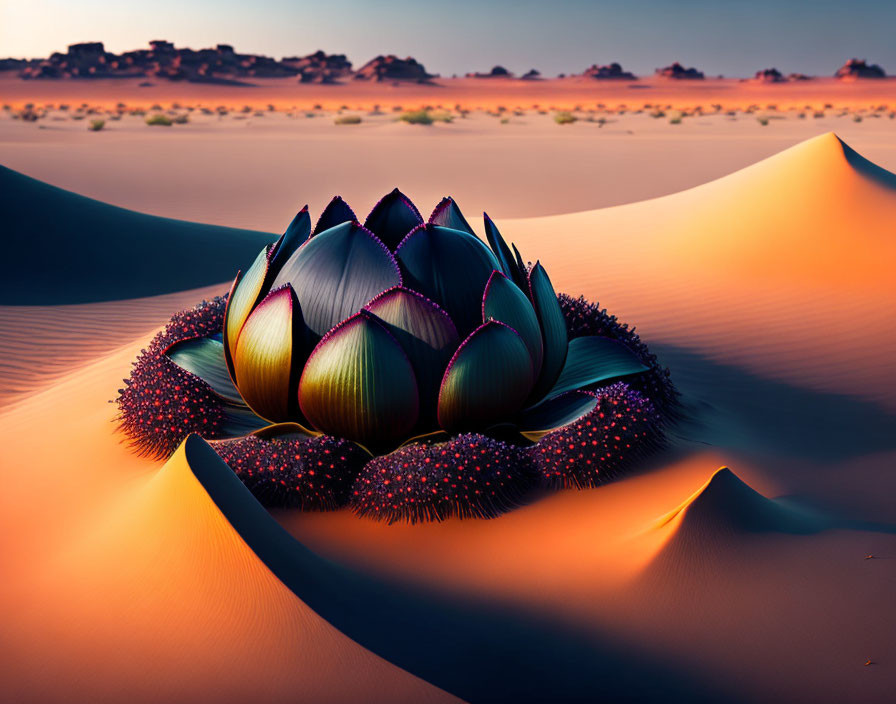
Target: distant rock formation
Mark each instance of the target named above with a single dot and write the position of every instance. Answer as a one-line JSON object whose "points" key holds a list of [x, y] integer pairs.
{"points": [[163, 60], [391, 68], [320, 67], [531, 75], [769, 75], [678, 71], [611, 71], [859, 68], [496, 72], [798, 77]]}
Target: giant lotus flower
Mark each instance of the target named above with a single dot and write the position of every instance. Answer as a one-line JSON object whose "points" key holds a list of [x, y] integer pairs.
{"points": [[398, 328]]}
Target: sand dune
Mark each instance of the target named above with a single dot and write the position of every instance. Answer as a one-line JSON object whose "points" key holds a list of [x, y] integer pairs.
{"points": [[41, 343], [157, 598], [127, 579], [782, 267], [91, 251], [727, 504]]}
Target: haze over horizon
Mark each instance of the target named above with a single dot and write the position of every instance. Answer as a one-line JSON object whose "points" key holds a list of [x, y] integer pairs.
{"points": [[564, 36]]}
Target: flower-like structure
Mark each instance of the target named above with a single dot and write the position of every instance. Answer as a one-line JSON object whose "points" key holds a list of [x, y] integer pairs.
{"points": [[441, 355], [396, 328]]}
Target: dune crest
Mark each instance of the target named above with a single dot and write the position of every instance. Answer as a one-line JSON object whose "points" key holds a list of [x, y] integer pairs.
{"points": [[774, 267], [728, 504], [165, 598]]}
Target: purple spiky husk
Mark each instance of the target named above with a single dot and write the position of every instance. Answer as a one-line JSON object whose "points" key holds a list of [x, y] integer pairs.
{"points": [[314, 474], [623, 428], [470, 476], [161, 403]]}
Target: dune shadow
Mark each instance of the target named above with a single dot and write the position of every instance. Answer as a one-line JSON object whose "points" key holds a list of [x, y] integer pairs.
{"points": [[66, 248], [731, 407], [478, 650]]}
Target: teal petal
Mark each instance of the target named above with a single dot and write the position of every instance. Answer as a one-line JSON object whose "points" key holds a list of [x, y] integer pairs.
{"points": [[268, 354], [503, 301], [336, 213], [591, 360], [358, 384], [535, 423], [336, 273], [393, 218], [553, 330], [449, 267], [204, 357], [505, 257], [296, 234], [426, 334], [246, 292], [447, 214], [487, 380]]}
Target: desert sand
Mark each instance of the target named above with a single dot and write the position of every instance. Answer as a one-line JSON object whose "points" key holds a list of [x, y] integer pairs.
{"points": [[767, 292]]}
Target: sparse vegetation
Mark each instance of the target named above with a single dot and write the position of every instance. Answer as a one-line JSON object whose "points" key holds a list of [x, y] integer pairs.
{"points": [[96, 125], [181, 119], [762, 120], [856, 118], [565, 118], [159, 120], [347, 120], [425, 116]]}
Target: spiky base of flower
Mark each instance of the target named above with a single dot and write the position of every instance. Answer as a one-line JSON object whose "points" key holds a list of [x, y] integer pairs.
{"points": [[470, 476], [584, 318], [311, 474], [161, 403], [622, 428]]}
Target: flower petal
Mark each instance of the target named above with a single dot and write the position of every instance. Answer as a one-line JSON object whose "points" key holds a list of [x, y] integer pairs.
{"points": [[296, 234], [487, 380], [504, 256], [336, 273], [393, 218], [336, 213], [359, 384], [204, 357], [426, 334], [590, 360], [246, 291], [447, 214], [504, 301], [553, 330], [268, 354], [449, 267], [535, 423]]}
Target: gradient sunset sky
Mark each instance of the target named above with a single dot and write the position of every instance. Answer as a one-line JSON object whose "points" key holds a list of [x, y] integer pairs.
{"points": [[719, 37]]}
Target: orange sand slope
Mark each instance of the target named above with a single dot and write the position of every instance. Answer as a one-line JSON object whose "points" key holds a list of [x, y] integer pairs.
{"points": [[127, 579], [783, 267]]}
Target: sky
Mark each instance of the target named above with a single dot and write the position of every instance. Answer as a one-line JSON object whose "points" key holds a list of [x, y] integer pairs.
{"points": [[727, 37]]}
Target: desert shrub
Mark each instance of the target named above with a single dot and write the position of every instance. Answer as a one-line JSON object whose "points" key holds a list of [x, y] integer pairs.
{"points": [[505, 120], [181, 119], [96, 125], [417, 117], [159, 120], [347, 120], [762, 120], [564, 118], [856, 118]]}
